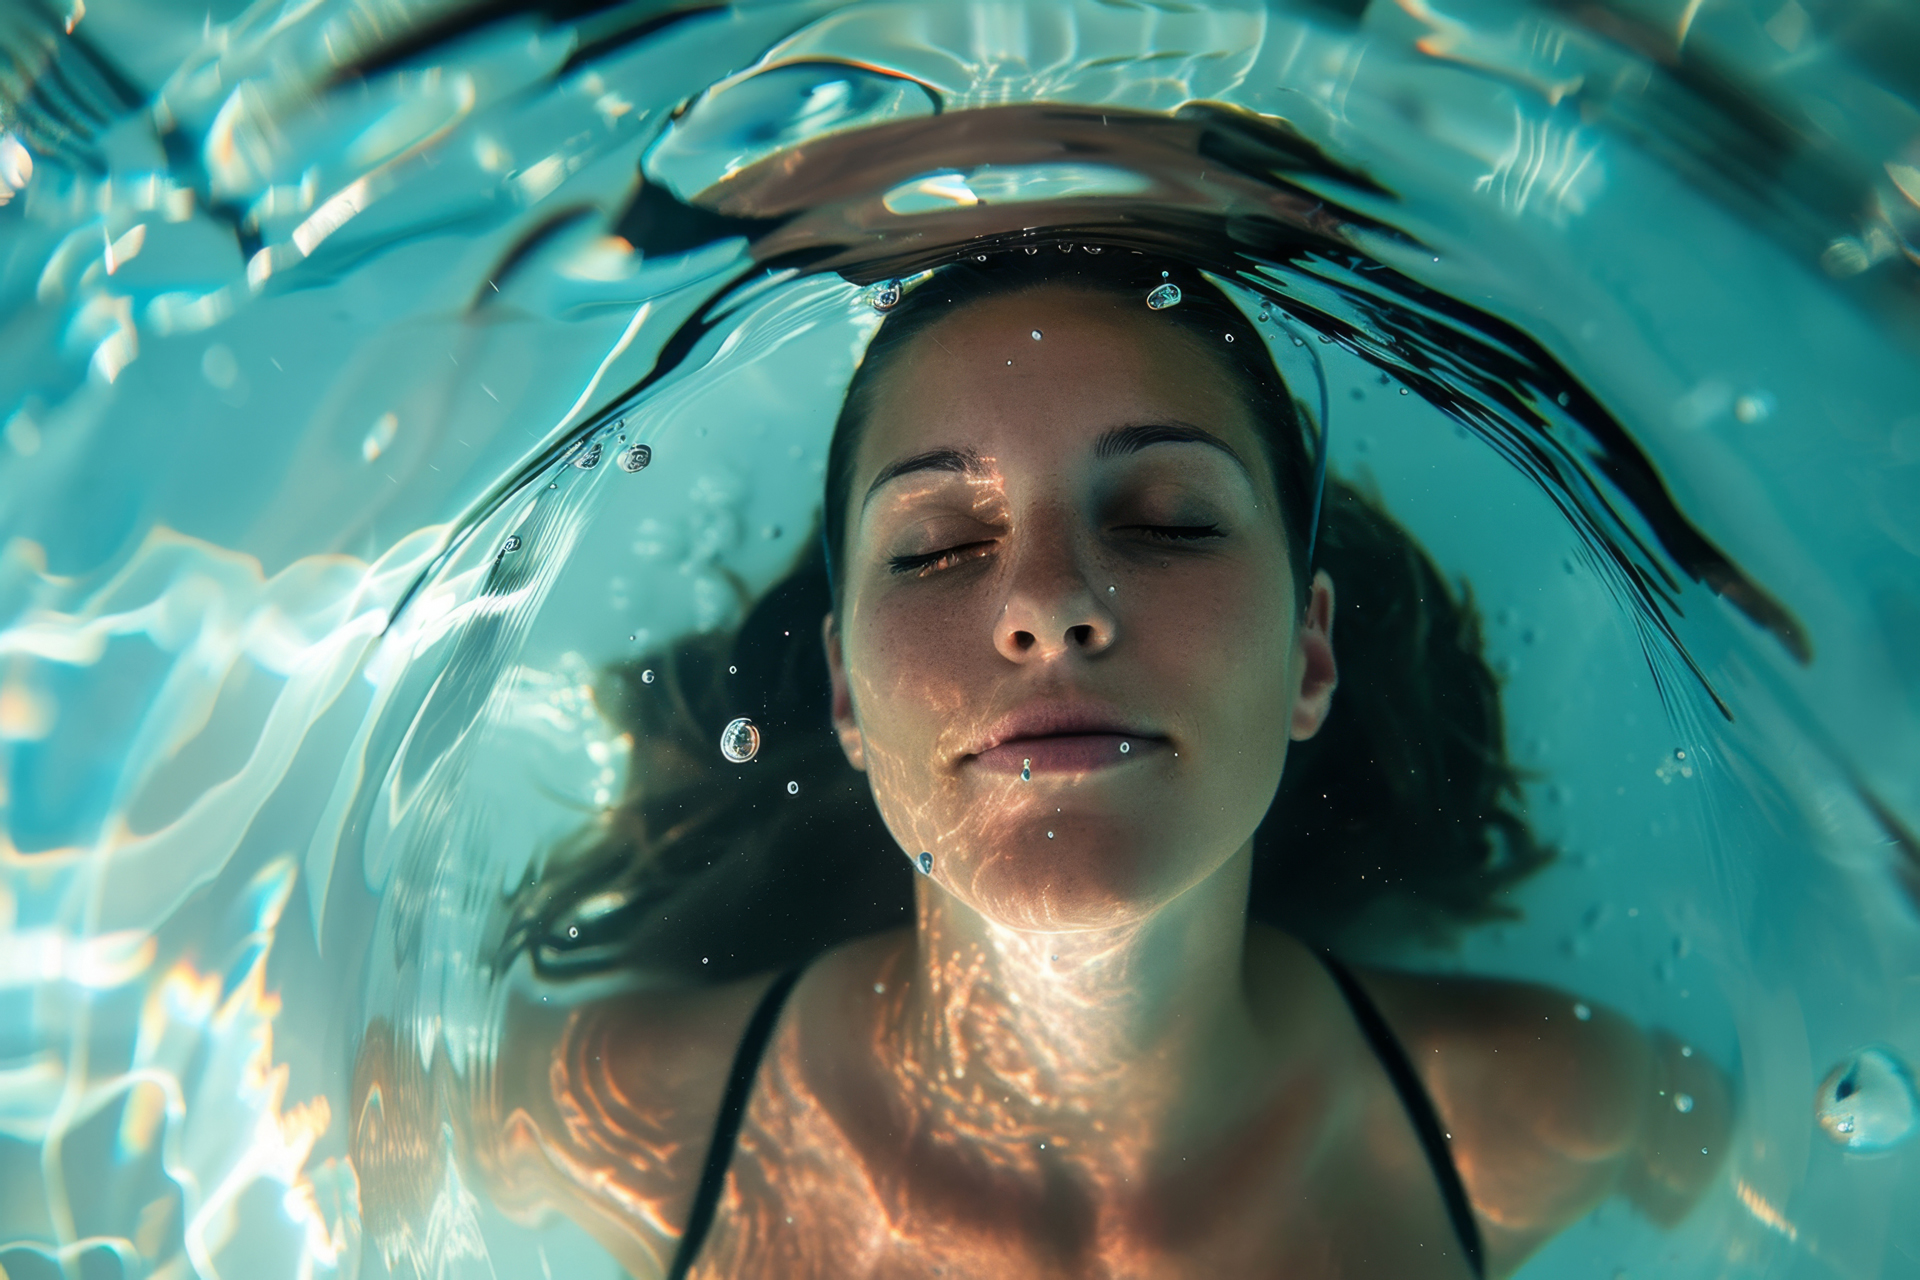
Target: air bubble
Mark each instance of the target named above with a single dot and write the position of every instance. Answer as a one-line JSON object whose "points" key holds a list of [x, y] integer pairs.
{"points": [[1683, 1102], [733, 671], [1093, 248], [884, 296], [1403, 391], [646, 677], [1752, 408], [511, 544], [793, 788], [1036, 335], [1125, 747], [740, 740], [1164, 296], [1229, 337], [1582, 1012], [573, 931], [636, 457], [1026, 771], [1032, 248], [1867, 1103], [590, 459], [1049, 835], [926, 863]]}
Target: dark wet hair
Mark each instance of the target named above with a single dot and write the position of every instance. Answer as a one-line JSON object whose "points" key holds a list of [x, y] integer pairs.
{"points": [[1400, 815]]}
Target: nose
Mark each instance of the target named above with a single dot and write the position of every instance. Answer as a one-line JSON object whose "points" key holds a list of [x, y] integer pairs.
{"points": [[1051, 607]]}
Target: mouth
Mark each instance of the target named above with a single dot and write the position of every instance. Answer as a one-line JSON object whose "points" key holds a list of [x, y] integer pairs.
{"points": [[1056, 739]]}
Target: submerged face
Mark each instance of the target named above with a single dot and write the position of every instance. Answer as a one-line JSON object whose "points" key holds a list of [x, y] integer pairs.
{"points": [[1068, 653]]}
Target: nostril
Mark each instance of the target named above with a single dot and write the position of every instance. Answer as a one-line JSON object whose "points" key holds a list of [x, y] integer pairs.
{"points": [[1023, 640], [1081, 635]]}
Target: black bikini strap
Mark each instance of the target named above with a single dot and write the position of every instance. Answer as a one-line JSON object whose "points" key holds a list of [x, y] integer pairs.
{"points": [[1426, 1122], [726, 1128]]}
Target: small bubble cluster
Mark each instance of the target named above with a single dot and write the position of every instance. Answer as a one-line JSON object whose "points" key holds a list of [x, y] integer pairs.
{"points": [[740, 740], [589, 458]]}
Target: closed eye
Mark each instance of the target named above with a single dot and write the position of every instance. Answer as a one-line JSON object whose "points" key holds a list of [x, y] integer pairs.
{"points": [[934, 561], [1178, 532]]}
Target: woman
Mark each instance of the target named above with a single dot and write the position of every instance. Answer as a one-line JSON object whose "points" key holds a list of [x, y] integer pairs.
{"points": [[1076, 628]]}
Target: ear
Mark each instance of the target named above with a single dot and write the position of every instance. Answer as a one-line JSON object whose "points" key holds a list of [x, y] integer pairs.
{"points": [[851, 742], [1314, 646]]}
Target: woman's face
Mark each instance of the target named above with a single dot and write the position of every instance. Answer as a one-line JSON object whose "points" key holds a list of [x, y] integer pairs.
{"points": [[1068, 654]]}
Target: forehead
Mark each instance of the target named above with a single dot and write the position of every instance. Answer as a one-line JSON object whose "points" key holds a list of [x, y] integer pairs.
{"points": [[981, 379]]}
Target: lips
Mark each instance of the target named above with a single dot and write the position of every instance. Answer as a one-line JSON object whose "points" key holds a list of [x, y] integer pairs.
{"points": [[1062, 738]]}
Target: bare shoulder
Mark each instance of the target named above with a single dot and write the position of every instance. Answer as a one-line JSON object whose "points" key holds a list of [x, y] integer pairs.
{"points": [[598, 1105], [1555, 1103]]}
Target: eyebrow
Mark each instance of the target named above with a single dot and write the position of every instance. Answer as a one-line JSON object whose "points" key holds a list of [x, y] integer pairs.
{"points": [[1116, 443], [964, 461], [1122, 441]]}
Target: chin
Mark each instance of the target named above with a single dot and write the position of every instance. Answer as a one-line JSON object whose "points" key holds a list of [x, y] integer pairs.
{"points": [[1076, 880]]}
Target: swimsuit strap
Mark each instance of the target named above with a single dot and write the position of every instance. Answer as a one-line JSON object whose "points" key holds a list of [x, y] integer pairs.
{"points": [[1426, 1121], [726, 1127]]}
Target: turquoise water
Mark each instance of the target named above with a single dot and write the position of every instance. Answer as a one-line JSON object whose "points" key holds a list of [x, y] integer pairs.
{"points": [[311, 308]]}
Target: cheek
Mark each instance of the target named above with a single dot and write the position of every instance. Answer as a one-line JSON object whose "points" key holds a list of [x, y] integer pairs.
{"points": [[1219, 644]]}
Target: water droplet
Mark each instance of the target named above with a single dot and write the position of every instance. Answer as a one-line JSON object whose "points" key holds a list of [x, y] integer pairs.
{"points": [[979, 257], [1229, 337], [590, 459], [646, 677], [1125, 747], [733, 671], [1026, 771], [1679, 753], [1299, 342], [511, 544], [573, 931], [1036, 335], [1683, 1102], [1686, 1051], [1093, 248], [793, 788], [740, 740], [703, 959], [636, 457], [1754, 407], [1163, 275], [1582, 1012], [1561, 399], [1867, 1103], [1049, 835], [884, 296], [1164, 296], [1403, 391], [1265, 316], [926, 863]]}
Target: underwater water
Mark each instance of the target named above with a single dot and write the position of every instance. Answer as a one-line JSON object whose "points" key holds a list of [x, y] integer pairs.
{"points": [[376, 372]]}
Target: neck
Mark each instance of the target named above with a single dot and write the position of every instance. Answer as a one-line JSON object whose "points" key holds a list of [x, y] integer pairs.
{"points": [[1112, 1045]]}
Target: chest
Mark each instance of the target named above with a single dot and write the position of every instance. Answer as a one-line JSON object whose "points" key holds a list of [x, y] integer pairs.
{"points": [[1329, 1182]]}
